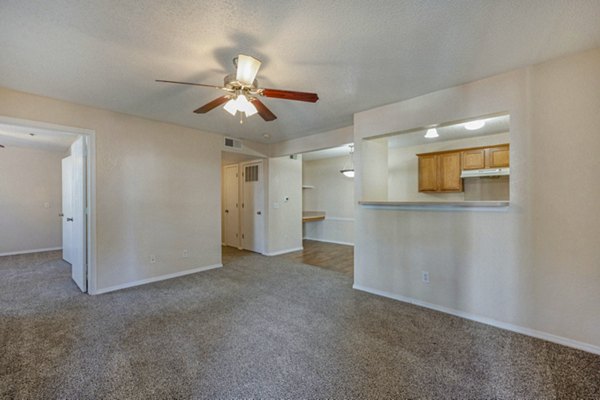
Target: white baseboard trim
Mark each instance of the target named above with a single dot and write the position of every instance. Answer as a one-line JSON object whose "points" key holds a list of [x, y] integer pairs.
{"points": [[154, 279], [278, 253], [338, 219], [485, 320], [328, 241], [15, 253]]}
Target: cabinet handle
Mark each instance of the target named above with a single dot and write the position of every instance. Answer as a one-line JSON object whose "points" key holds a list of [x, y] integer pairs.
{"points": [[69, 219]]}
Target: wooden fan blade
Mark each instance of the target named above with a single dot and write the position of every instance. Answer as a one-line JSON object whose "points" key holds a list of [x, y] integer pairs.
{"points": [[290, 95], [212, 104], [192, 84], [263, 111]]}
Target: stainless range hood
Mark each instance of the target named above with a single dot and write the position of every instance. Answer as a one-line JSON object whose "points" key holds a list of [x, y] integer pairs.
{"points": [[478, 173]]}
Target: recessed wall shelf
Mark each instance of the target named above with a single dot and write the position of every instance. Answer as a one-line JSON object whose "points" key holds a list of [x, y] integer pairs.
{"points": [[311, 216]]}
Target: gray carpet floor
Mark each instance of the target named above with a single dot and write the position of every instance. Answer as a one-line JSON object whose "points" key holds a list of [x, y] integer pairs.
{"points": [[259, 328]]}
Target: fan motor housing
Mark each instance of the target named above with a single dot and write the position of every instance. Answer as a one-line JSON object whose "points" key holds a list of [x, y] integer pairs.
{"points": [[231, 82]]}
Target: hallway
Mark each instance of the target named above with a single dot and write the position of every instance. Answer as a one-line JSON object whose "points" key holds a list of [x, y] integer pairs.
{"points": [[331, 256]]}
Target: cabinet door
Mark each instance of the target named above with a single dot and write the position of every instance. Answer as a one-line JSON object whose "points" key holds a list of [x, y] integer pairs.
{"points": [[428, 173], [450, 180], [473, 159], [498, 157]]}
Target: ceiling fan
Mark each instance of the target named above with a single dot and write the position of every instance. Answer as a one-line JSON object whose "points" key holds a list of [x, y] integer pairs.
{"points": [[243, 91]]}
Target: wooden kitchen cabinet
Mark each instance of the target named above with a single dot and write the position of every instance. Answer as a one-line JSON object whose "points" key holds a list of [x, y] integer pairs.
{"points": [[449, 173], [428, 173], [486, 157], [497, 157], [473, 159], [440, 172]]}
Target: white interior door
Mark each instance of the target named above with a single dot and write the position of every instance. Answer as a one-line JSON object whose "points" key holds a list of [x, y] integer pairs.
{"points": [[253, 231], [231, 214], [78, 217], [67, 209]]}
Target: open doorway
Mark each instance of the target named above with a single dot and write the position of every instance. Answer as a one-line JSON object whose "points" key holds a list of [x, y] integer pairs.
{"points": [[328, 209], [242, 205], [46, 197]]}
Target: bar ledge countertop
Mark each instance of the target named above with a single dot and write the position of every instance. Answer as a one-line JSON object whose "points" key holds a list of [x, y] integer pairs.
{"points": [[435, 204]]}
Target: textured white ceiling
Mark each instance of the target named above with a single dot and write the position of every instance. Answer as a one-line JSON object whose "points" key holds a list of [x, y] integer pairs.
{"points": [[36, 138], [356, 54], [493, 125]]}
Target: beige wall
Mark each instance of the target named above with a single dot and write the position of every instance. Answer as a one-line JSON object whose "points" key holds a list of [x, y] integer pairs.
{"points": [[157, 189], [284, 218], [332, 193], [403, 165], [30, 200], [535, 266]]}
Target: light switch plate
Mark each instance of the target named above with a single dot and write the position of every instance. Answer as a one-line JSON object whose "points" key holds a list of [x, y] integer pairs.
{"points": [[425, 277]]}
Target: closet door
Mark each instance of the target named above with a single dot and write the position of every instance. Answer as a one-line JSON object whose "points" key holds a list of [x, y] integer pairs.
{"points": [[253, 224]]}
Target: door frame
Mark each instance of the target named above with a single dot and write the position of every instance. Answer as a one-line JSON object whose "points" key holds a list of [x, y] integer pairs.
{"points": [[223, 205], [90, 141], [67, 200]]}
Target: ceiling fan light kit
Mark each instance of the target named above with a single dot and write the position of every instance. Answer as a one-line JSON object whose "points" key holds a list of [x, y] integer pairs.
{"points": [[243, 92], [247, 68], [240, 104]]}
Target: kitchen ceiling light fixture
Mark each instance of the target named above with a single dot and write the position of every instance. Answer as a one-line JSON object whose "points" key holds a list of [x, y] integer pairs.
{"points": [[431, 133], [348, 171], [474, 125]]}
